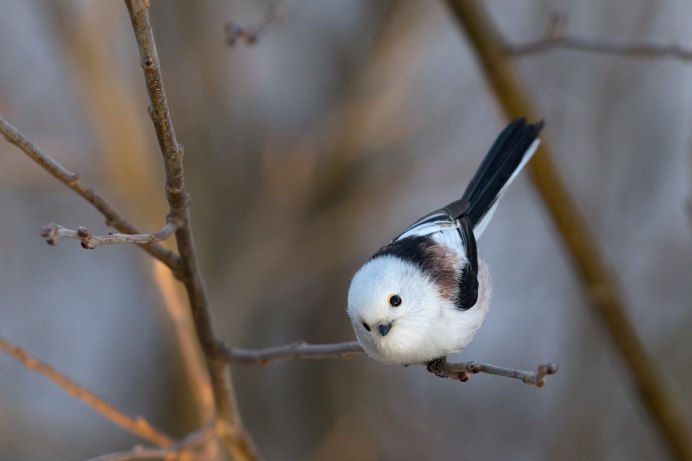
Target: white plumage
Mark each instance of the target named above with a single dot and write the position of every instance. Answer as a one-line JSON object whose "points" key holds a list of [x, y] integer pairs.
{"points": [[425, 326]]}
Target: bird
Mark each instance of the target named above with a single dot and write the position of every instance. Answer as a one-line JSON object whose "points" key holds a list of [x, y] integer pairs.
{"points": [[425, 294]]}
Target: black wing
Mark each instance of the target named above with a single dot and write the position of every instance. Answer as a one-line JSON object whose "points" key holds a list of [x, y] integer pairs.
{"points": [[468, 281]]}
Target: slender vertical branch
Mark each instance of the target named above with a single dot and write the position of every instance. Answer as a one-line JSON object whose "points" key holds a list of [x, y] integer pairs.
{"points": [[238, 440], [72, 180], [658, 397], [191, 354]]}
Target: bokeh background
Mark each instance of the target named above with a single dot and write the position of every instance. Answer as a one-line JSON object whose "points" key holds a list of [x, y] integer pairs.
{"points": [[305, 153]]}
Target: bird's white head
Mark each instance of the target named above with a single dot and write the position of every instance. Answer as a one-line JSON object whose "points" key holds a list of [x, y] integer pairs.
{"points": [[396, 310]]}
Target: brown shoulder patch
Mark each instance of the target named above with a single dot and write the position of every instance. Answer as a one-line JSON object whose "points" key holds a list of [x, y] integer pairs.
{"points": [[444, 266]]}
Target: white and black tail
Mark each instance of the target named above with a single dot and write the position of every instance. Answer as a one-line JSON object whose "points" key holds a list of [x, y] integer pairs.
{"points": [[512, 149], [508, 155]]}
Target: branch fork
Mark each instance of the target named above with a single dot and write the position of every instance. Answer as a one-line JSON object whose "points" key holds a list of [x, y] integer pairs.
{"points": [[556, 37], [250, 34]]}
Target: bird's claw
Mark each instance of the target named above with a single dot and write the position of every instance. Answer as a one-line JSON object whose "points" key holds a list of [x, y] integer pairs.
{"points": [[437, 368]]}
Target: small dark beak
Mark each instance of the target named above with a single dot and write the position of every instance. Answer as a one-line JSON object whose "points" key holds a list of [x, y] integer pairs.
{"points": [[384, 328]]}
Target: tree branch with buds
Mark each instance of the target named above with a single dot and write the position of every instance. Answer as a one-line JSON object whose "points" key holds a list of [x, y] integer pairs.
{"points": [[114, 218], [463, 370], [54, 232], [230, 426], [250, 34]]}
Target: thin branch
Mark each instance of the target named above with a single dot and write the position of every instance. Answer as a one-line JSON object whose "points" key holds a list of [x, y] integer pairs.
{"points": [[145, 453], [252, 33], [137, 426], [297, 350], [629, 50], [463, 370], [181, 450], [346, 350], [54, 232], [556, 38], [72, 180], [231, 428], [659, 398]]}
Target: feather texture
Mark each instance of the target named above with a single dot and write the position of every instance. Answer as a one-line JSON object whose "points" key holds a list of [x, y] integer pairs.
{"points": [[441, 286]]}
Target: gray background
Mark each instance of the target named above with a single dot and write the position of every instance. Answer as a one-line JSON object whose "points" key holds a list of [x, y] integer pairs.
{"points": [[306, 153]]}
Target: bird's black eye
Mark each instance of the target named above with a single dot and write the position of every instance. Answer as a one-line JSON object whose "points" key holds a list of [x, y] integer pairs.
{"points": [[366, 326], [394, 300]]}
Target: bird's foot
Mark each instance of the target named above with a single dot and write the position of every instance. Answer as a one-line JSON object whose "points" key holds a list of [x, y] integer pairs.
{"points": [[437, 367]]}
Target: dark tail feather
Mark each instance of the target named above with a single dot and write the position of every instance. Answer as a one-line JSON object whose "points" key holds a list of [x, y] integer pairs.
{"points": [[497, 168]]}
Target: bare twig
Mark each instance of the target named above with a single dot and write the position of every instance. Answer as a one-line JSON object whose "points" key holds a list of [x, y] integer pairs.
{"points": [[297, 350], [629, 50], [137, 426], [72, 180], [555, 38], [250, 34], [463, 370], [54, 232], [230, 426], [181, 450], [346, 350], [658, 397], [145, 453]]}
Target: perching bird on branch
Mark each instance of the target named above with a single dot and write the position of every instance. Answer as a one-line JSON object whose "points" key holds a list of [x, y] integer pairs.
{"points": [[425, 294]]}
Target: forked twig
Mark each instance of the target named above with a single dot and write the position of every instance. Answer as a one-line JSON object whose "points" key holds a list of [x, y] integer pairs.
{"points": [[237, 440], [250, 34], [72, 180], [556, 38], [54, 232]]}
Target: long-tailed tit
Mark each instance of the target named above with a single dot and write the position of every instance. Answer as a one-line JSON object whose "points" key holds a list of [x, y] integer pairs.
{"points": [[425, 294]]}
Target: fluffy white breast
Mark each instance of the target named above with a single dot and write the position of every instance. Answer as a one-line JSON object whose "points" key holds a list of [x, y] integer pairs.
{"points": [[425, 326]]}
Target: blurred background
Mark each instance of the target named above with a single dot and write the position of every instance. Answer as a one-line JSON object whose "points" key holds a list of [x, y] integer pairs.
{"points": [[304, 154]]}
